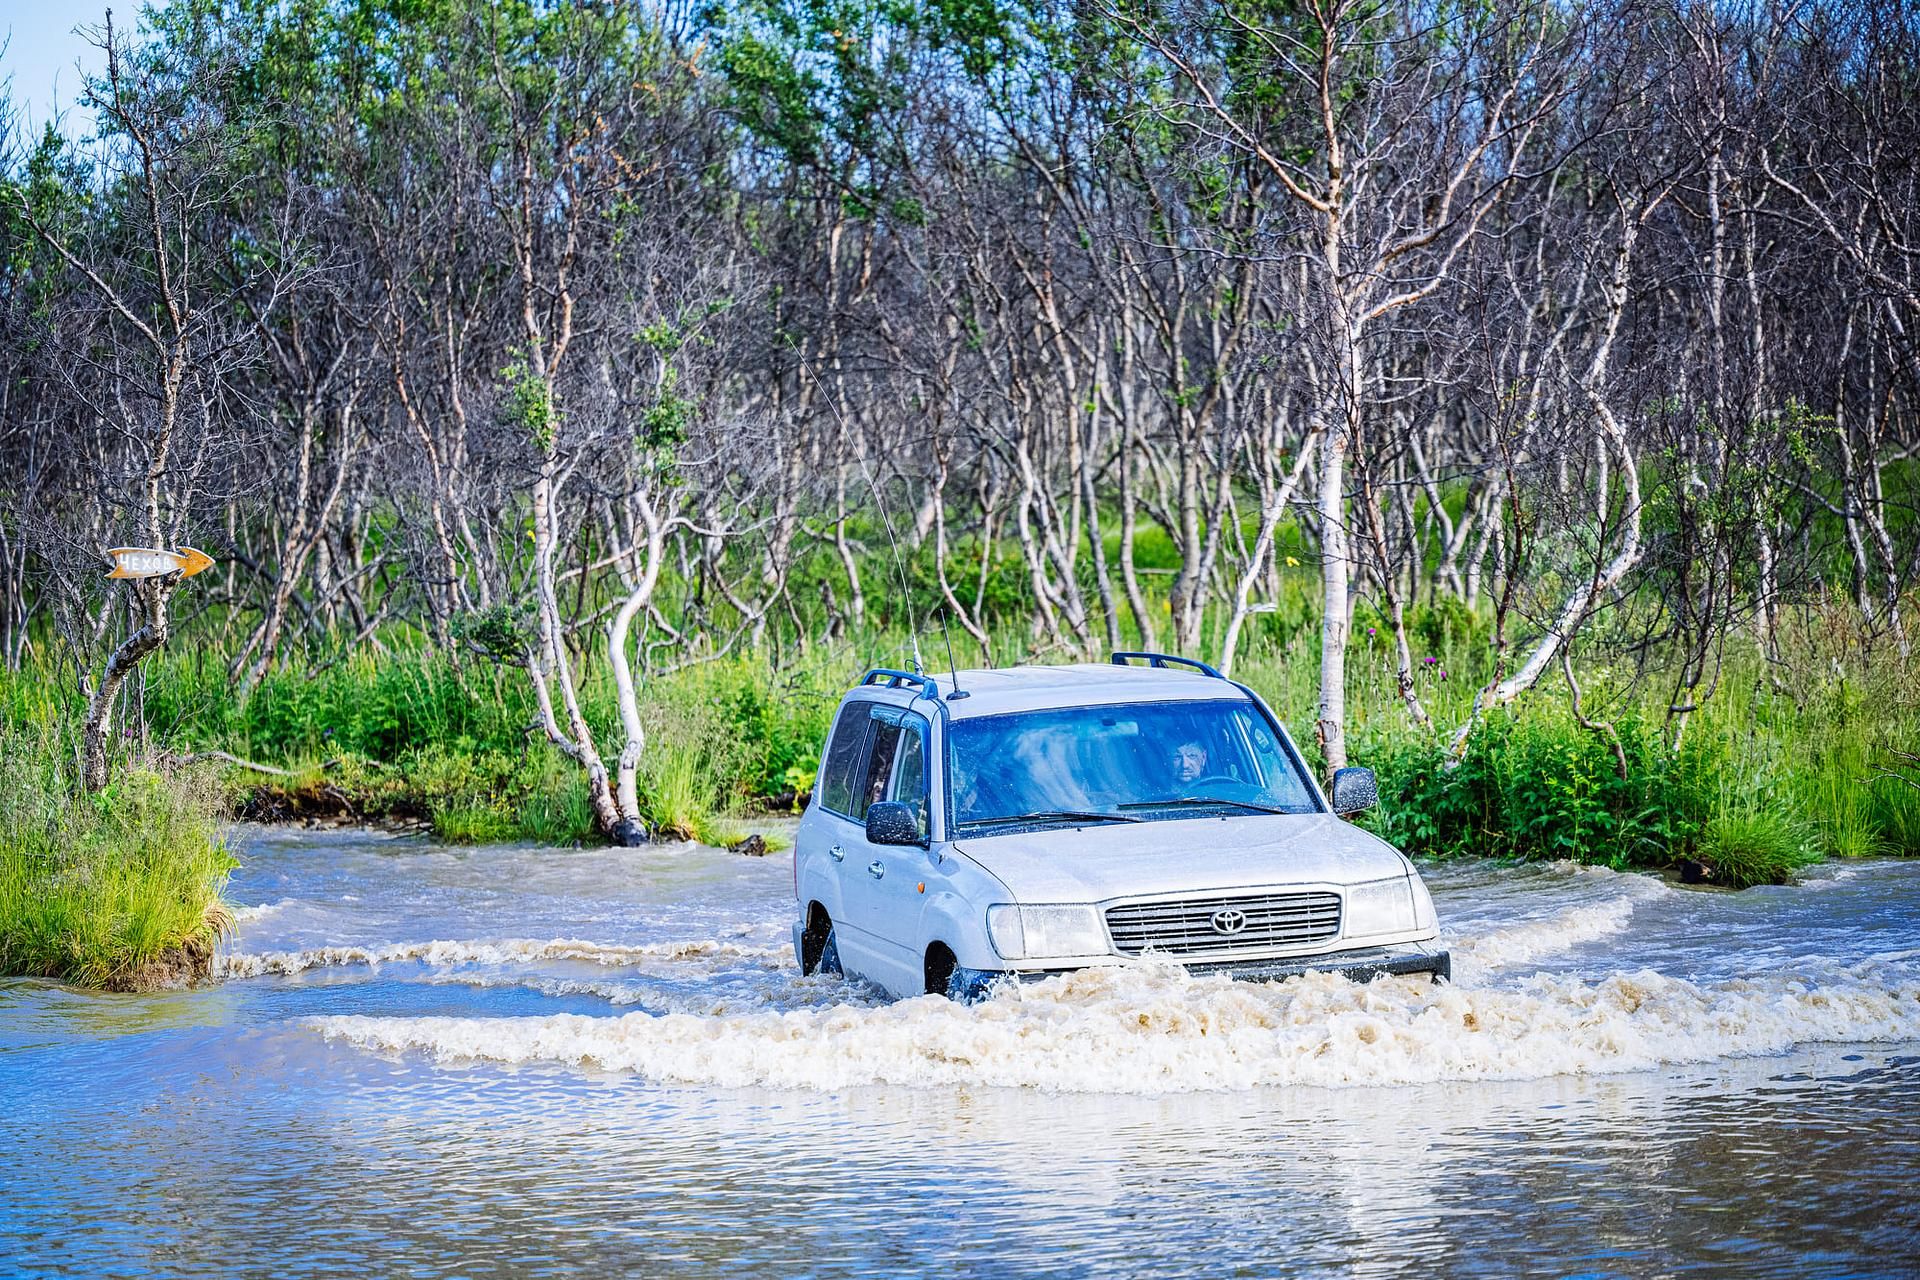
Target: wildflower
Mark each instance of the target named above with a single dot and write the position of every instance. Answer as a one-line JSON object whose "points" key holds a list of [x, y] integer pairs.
{"points": [[1369, 630], [1292, 563]]}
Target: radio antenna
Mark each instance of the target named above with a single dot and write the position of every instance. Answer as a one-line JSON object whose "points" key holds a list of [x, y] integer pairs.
{"points": [[947, 631], [880, 502]]}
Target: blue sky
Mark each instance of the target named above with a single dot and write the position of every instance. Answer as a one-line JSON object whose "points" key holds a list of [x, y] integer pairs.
{"points": [[42, 49]]}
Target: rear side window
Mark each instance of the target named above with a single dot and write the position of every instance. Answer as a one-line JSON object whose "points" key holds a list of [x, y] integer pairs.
{"points": [[839, 780]]}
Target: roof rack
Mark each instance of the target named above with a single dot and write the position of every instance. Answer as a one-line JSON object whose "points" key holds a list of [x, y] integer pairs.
{"points": [[1165, 660], [895, 679]]}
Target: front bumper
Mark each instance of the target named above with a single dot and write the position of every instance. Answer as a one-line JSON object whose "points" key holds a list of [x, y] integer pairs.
{"points": [[1360, 965]]}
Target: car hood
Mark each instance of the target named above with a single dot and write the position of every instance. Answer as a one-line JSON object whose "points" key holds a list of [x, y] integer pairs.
{"points": [[1198, 855]]}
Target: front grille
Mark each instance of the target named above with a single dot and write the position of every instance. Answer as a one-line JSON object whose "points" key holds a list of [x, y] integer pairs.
{"points": [[1186, 927]]}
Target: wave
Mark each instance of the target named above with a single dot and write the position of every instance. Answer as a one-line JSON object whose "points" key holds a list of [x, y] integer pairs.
{"points": [[1537, 939], [247, 915], [1562, 931], [508, 951], [1155, 1029]]}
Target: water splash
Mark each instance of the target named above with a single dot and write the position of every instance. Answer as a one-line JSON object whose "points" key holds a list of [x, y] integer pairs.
{"points": [[1155, 1029]]}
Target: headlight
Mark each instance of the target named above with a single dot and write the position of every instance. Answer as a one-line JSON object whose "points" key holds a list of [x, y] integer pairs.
{"points": [[1041, 933], [1380, 906], [1425, 918]]}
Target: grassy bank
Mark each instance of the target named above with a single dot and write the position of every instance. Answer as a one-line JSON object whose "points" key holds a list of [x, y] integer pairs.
{"points": [[1787, 763], [119, 890], [410, 735]]}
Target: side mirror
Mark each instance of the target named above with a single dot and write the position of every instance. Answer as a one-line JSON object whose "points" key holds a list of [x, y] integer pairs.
{"points": [[1354, 790], [891, 822]]}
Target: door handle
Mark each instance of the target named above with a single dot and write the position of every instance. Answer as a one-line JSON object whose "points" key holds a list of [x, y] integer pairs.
{"points": [[875, 870], [837, 854]]}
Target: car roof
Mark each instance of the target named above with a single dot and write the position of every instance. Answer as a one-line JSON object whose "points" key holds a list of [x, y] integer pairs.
{"points": [[1003, 690]]}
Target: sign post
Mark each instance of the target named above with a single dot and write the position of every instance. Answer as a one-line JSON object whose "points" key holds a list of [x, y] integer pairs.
{"points": [[150, 562]]}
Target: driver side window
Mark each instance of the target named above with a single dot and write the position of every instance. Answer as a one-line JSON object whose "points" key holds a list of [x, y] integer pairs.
{"points": [[883, 749], [910, 772]]}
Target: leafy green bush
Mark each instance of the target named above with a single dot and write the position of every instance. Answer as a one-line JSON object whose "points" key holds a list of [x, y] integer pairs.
{"points": [[1536, 784]]}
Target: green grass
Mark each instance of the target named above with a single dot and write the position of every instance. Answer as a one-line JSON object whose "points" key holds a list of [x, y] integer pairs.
{"points": [[676, 791], [120, 889], [1895, 809], [1746, 846]]}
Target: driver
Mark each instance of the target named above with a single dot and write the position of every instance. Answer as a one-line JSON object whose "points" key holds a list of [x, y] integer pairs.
{"points": [[1189, 763]]}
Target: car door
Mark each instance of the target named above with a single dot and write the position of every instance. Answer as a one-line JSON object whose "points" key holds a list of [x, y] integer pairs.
{"points": [[894, 895], [829, 834]]}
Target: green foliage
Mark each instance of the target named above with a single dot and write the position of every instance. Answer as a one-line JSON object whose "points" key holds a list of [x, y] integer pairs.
{"points": [[557, 809], [375, 706], [665, 423], [528, 404], [1538, 785], [1896, 811], [503, 632], [119, 889], [409, 733]]}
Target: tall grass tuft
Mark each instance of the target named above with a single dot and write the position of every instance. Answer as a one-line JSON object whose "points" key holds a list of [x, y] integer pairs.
{"points": [[676, 793], [1749, 845], [118, 890]]}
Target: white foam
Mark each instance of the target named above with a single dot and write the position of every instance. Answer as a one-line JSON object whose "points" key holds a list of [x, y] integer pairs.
{"points": [[1155, 1029], [508, 951]]}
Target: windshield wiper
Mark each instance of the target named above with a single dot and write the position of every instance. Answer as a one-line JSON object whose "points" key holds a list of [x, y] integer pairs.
{"points": [[1054, 815], [1168, 804]]}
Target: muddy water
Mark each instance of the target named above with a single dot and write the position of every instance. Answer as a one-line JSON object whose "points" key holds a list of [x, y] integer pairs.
{"points": [[516, 1062]]}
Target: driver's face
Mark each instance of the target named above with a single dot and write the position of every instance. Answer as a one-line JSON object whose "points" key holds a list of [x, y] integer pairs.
{"points": [[1189, 761]]}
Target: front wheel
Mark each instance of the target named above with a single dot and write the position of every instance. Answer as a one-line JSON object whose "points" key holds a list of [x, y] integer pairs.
{"points": [[971, 986]]}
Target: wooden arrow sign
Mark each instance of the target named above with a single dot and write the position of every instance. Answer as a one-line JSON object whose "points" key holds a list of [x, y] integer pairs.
{"points": [[149, 562]]}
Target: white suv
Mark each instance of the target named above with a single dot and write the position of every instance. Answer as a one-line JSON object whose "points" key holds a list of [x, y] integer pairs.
{"points": [[1038, 819]]}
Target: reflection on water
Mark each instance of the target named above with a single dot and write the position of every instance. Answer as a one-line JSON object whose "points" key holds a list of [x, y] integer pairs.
{"points": [[511, 1062]]}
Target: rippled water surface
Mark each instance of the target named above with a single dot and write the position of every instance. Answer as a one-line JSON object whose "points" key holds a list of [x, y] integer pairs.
{"points": [[506, 1061]]}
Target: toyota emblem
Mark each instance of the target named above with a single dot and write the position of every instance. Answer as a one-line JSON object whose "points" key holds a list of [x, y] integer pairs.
{"points": [[1229, 921]]}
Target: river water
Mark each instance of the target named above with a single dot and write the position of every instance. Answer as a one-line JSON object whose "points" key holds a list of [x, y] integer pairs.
{"points": [[520, 1062]]}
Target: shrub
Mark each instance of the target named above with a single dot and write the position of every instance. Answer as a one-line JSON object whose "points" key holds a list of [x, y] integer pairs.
{"points": [[557, 809], [1535, 784]]}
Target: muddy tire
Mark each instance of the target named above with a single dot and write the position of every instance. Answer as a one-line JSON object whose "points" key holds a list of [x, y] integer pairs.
{"points": [[819, 951]]}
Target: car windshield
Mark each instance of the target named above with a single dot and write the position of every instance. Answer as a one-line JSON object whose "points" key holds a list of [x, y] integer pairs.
{"points": [[1119, 763]]}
